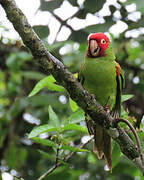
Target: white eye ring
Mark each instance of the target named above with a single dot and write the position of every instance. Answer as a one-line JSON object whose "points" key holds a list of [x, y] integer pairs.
{"points": [[103, 41]]}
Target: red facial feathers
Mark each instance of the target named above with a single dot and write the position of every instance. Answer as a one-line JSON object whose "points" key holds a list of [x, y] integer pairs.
{"points": [[98, 37]]}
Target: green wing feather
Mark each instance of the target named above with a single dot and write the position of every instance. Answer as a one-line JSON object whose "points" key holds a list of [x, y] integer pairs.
{"points": [[120, 85]]}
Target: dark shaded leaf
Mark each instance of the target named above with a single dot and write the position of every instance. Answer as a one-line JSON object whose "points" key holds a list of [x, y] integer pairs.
{"points": [[46, 155], [73, 2], [42, 31], [45, 142], [17, 107], [82, 14], [78, 36], [116, 153], [93, 6], [77, 117], [50, 5], [16, 60], [73, 105], [33, 75]]}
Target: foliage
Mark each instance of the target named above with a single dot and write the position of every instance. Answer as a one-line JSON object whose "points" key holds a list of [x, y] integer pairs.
{"points": [[33, 128]]}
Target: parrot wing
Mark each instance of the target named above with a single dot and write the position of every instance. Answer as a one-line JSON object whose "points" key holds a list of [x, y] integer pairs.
{"points": [[120, 85]]}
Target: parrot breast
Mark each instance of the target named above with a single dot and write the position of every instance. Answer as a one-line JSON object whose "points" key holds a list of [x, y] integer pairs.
{"points": [[100, 80]]}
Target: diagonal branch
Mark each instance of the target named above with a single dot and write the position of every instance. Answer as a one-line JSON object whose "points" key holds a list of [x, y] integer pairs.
{"points": [[52, 65]]}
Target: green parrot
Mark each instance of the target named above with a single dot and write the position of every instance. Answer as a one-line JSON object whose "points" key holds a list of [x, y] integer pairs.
{"points": [[102, 76]]}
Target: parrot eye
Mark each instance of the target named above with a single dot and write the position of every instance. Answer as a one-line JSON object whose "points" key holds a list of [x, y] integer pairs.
{"points": [[103, 41]]}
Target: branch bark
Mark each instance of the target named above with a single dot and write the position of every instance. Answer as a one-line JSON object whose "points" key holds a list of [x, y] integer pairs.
{"points": [[52, 65]]}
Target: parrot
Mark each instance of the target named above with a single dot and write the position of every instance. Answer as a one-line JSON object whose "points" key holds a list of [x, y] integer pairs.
{"points": [[101, 75]]}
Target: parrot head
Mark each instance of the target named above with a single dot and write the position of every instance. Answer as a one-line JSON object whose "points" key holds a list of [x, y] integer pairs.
{"points": [[97, 44]]}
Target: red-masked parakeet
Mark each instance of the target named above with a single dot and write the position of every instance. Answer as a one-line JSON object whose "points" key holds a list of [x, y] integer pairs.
{"points": [[102, 76]]}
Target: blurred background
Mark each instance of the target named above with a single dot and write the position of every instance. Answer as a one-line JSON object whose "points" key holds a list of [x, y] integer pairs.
{"points": [[64, 26]]}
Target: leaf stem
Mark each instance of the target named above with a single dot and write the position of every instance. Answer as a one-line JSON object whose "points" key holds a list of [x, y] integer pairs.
{"points": [[57, 153]]}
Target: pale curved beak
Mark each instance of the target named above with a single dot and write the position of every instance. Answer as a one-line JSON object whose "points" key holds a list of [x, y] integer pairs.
{"points": [[94, 48]]}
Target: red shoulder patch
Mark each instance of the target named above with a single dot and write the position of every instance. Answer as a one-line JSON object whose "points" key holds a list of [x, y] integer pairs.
{"points": [[117, 69]]}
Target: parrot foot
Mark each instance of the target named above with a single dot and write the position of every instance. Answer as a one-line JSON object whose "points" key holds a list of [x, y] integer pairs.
{"points": [[107, 109], [93, 96]]}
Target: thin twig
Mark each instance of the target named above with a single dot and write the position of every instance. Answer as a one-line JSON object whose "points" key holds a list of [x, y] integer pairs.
{"points": [[63, 22], [136, 136], [57, 153], [65, 160], [57, 33]]}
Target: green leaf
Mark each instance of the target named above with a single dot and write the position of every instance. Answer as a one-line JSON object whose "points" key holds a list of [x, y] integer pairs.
{"points": [[13, 152], [93, 6], [73, 105], [15, 178], [76, 117], [46, 100], [72, 148], [45, 142], [74, 127], [46, 82], [73, 2], [46, 155], [127, 97], [22, 155], [116, 153], [41, 129], [82, 13], [141, 134], [53, 117], [42, 31], [91, 158], [50, 5], [18, 105], [16, 60], [81, 34]]}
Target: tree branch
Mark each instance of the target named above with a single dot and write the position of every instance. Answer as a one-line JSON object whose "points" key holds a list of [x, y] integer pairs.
{"points": [[85, 100], [62, 21]]}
